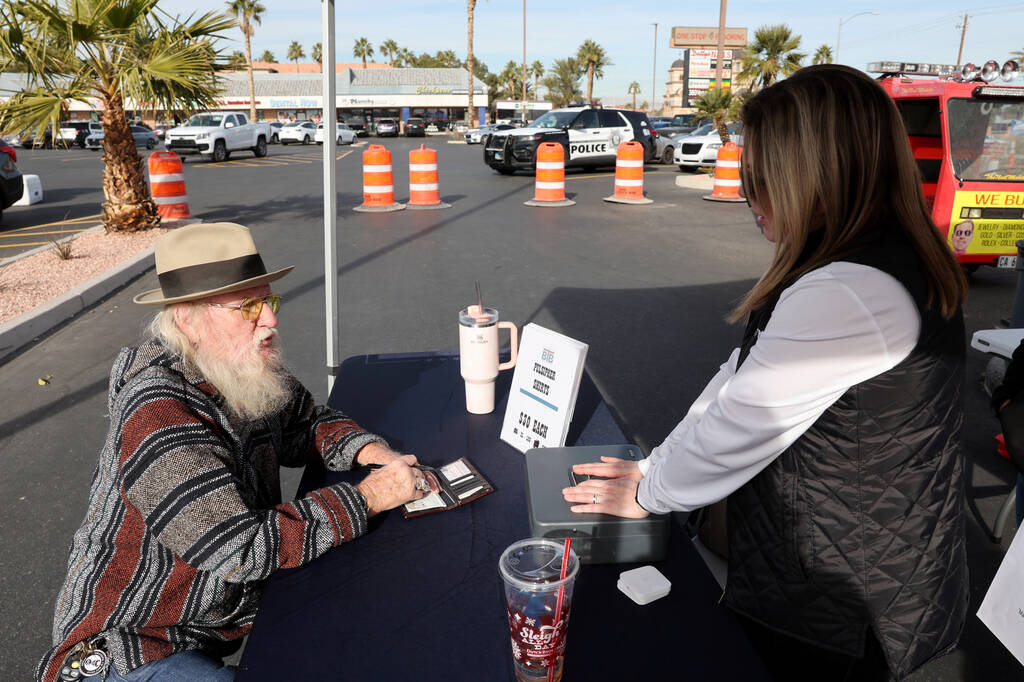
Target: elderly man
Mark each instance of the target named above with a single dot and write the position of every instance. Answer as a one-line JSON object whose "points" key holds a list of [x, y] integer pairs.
{"points": [[185, 519]]}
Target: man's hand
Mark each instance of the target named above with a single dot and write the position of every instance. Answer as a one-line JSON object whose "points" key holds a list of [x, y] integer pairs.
{"points": [[392, 486], [616, 496], [375, 453], [610, 467]]}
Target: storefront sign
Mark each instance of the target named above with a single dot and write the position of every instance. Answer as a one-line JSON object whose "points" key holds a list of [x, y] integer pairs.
{"points": [[696, 36], [293, 102]]}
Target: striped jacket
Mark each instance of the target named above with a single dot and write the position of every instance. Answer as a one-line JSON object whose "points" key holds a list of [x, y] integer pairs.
{"points": [[185, 519]]}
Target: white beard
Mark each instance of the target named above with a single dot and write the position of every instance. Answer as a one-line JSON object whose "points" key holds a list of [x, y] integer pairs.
{"points": [[253, 385]]}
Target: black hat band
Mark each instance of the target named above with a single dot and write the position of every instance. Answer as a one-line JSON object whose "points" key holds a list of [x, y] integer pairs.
{"points": [[210, 276]]}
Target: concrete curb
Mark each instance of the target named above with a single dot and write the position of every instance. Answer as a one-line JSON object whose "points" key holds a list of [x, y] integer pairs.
{"points": [[22, 330]]}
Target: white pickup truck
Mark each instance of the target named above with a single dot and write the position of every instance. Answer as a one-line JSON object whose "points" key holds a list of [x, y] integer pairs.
{"points": [[216, 134]]}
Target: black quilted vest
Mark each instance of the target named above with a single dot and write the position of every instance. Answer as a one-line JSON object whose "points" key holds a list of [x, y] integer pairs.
{"points": [[860, 523]]}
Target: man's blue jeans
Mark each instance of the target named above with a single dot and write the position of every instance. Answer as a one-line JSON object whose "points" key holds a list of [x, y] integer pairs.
{"points": [[185, 666]]}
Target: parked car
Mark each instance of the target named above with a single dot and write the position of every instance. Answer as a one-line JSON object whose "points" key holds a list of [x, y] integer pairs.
{"points": [[11, 184], [217, 134], [29, 139], [275, 129], [700, 148], [301, 132], [415, 127], [479, 135], [358, 125], [345, 135], [74, 132], [161, 130], [667, 141], [680, 124], [590, 136], [144, 137], [387, 127]]}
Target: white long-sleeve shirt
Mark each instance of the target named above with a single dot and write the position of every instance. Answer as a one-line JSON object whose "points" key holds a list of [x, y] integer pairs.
{"points": [[833, 328]]}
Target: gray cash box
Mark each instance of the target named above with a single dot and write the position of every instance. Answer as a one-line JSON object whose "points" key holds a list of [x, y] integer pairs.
{"points": [[596, 538]]}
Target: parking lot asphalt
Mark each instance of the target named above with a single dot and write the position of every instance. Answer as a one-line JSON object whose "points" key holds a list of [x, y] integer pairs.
{"points": [[647, 287]]}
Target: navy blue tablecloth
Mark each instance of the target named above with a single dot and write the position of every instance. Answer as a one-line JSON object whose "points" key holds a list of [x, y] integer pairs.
{"points": [[421, 599]]}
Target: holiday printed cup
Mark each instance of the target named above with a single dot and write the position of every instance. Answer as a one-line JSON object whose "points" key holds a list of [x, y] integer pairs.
{"points": [[531, 572]]}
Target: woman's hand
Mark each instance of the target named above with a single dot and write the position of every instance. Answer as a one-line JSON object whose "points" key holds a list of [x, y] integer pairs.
{"points": [[616, 496], [393, 485], [610, 467]]}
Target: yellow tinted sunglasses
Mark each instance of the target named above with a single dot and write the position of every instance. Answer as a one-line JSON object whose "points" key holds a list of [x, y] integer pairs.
{"points": [[252, 307]]}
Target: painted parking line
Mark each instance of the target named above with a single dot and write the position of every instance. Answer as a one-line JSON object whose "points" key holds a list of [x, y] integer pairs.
{"points": [[32, 232], [307, 158], [68, 221]]}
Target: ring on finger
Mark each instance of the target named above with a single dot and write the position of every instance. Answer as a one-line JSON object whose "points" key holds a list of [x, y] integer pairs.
{"points": [[421, 484], [594, 501]]}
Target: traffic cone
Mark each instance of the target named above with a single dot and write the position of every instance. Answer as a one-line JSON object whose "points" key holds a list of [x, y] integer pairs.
{"points": [[629, 175], [549, 187], [167, 185], [727, 174], [424, 191], [378, 182]]}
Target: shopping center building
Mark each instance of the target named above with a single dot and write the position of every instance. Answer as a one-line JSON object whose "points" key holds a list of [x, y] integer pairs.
{"points": [[437, 95]]}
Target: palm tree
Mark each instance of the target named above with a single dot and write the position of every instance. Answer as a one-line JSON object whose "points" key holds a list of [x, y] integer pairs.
{"points": [[268, 56], [236, 60], [82, 50], [407, 56], [510, 77], [823, 55], [389, 47], [448, 58], [563, 81], [470, 62], [634, 89], [318, 55], [592, 56], [772, 54], [248, 13], [295, 53], [362, 49], [536, 70], [718, 106]]}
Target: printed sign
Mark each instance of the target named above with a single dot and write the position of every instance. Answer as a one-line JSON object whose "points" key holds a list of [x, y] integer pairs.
{"points": [[544, 387], [587, 149], [697, 36], [986, 222]]}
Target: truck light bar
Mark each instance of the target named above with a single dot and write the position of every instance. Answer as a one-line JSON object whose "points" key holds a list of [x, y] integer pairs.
{"points": [[921, 68], [997, 91]]}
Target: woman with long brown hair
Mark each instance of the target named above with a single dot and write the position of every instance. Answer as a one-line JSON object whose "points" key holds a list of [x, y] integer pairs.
{"points": [[834, 427]]}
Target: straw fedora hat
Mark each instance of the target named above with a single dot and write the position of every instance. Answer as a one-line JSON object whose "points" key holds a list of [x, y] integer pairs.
{"points": [[205, 260]]}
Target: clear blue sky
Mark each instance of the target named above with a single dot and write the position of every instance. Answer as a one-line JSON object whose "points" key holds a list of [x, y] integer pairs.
{"points": [[910, 30]]}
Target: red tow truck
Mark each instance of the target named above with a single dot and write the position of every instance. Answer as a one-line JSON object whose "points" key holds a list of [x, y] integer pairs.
{"points": [[966, 128]]}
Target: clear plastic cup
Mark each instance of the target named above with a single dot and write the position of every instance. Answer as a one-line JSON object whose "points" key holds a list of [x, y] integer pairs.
{"points": [[531, 571]]}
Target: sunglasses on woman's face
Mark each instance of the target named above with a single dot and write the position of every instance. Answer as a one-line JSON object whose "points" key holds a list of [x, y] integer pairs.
{"points": [[251, 308]]}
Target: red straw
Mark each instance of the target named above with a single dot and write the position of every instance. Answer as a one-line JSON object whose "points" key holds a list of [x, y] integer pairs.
{"points": [[558, 609]]}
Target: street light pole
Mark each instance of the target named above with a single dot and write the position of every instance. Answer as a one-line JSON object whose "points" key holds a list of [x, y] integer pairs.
{"points": [[839, 33], [523, 112], [654, 70]]}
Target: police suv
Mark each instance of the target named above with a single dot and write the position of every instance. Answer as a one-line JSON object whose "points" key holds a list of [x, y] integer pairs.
{"points": [[589, 135]]}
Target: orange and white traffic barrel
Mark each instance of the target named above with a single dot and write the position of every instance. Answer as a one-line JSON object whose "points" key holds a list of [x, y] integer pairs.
{"points": [[424, 190], [167, 185], [549, 186], [378, 181], [727, 174], [629, 175]]}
